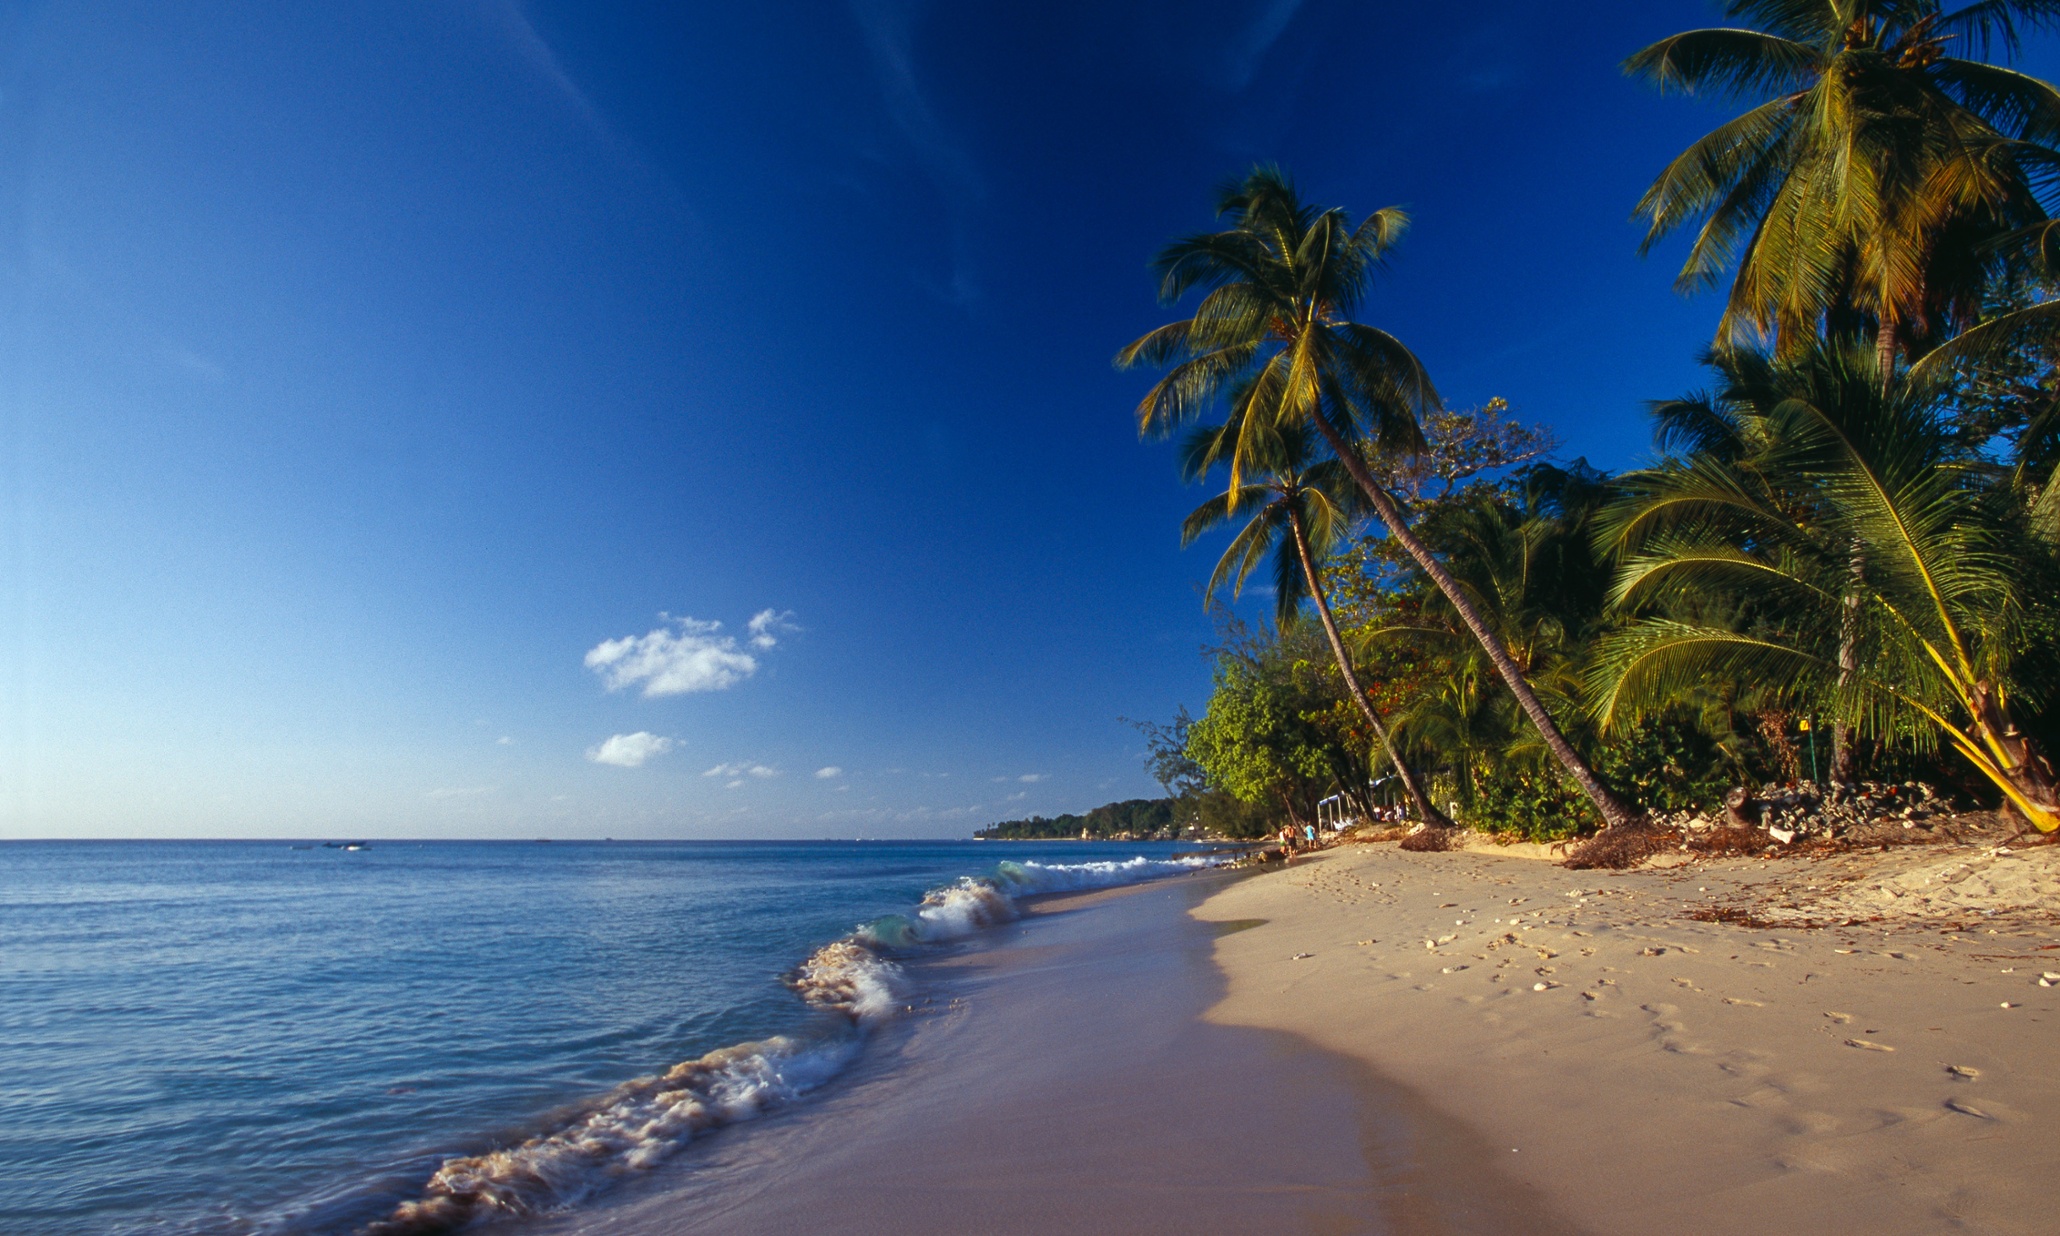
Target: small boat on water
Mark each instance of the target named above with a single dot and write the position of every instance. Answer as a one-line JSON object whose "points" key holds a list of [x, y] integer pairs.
{"points": [[346, 845]]}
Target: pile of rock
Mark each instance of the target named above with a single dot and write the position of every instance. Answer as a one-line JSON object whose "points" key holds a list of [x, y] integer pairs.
{"points": [[1865, 812]]}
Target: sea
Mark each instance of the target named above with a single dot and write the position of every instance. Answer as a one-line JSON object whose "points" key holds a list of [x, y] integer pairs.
{"points": [[258, 1038]]}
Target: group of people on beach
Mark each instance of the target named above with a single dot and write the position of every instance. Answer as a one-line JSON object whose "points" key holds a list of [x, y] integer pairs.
{"points": [[1293, 839]]}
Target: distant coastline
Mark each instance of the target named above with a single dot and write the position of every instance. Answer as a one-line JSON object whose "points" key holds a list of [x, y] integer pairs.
{"points": [[1134, 819]]}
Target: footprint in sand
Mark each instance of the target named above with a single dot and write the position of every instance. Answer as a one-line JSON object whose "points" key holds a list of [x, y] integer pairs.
{"points": [[1963, 1072]]}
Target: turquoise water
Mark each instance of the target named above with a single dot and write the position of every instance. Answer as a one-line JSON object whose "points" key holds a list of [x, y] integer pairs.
{"points": [[249, 1037]]}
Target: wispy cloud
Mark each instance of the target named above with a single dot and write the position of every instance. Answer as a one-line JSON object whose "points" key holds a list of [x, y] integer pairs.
{"points": [[629, 750], [460, 791], [192, 362], [508, 17], [688, 656], [824, 774], [1249, 49], [890, 28], [742, 770], [887, 815], [1028, 778], [767, 625]]}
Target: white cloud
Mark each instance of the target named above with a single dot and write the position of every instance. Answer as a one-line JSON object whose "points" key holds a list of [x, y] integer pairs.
{"points": [[504, 741], [629, 750], [741, 770], [1028, 778], [824, 774], [767, 625], [733, 785], [687, 657]]}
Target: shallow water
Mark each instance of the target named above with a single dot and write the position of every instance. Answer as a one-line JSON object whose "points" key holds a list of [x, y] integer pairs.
{"points": [[252, 1037], [1066, 1078]]}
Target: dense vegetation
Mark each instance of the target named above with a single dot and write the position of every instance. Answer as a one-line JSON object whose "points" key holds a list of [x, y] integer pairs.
{"points": [[1136, 819], [1851, 532]]}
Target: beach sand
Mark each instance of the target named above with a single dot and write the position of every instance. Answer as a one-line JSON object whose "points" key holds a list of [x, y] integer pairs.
{"points": [[1643, 1071], [1060, 1077]]}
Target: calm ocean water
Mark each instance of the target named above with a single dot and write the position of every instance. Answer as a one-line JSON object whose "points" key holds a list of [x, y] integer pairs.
{"points": [[249, 1037]]}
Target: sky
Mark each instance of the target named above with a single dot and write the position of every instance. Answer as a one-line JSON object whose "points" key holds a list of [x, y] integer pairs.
{"points": [[475, 418]]}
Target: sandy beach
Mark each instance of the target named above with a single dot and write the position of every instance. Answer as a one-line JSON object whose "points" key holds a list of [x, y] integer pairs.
{"points": [[1674, 1050], [1061, 1077]]}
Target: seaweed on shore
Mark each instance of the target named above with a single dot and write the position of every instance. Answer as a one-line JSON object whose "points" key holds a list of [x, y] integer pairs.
{"points": [[1622, 847]]}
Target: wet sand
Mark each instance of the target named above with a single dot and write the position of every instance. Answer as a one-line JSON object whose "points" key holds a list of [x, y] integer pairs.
{"points": [[1648, 1071], [1062, 1078]]}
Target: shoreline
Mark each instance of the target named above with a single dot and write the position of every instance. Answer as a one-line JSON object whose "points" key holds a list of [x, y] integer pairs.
{"points": [[1644, 1070], [1061, 1077]]}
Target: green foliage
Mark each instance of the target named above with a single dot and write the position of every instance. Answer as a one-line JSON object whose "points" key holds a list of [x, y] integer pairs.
{"points": [[1531, 804], [1866, 189], [1252, 742], [1866, 567], [1279, 732], [1135, 819], [1668, 763]]}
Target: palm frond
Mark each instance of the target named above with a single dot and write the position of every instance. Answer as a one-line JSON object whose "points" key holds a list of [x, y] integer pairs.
{"points": [[1650, 666], [2017, 105], [1991, 22], [1725, 62], [1988, 343]]}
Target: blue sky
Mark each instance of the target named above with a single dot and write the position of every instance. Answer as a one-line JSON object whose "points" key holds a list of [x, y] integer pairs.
{"points": [[397, 395]]}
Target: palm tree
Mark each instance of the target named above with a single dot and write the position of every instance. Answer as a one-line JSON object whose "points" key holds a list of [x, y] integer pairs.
{"points": [[1297, 510], [1729, 432], [1273, 334], [1867, 185], [1521, 553], [1939, 605]]}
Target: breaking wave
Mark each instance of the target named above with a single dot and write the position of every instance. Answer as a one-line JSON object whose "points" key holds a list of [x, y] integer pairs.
{"points": [[855, 981]]}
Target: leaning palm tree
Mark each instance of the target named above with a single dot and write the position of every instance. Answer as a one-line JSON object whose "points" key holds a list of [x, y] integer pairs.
{"points": [[1869, 181], [1274, 336], [1295, 507], [1939, 610]]}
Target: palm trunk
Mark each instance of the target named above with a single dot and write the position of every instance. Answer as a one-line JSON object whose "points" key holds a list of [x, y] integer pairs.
{"points": [[1615, 812], [1848, 663], [2029, 772], [1885, 352], [1431, 815]]}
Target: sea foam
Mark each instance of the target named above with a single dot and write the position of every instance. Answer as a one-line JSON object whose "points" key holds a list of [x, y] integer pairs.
{"points": [[640, 1123]]}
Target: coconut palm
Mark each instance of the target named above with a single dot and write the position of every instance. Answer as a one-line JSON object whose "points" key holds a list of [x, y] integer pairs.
{"points": [[1273, 335], [1939, 607], [1868, 183], [1729, 432], [1520, 552], [1296, 508]]}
